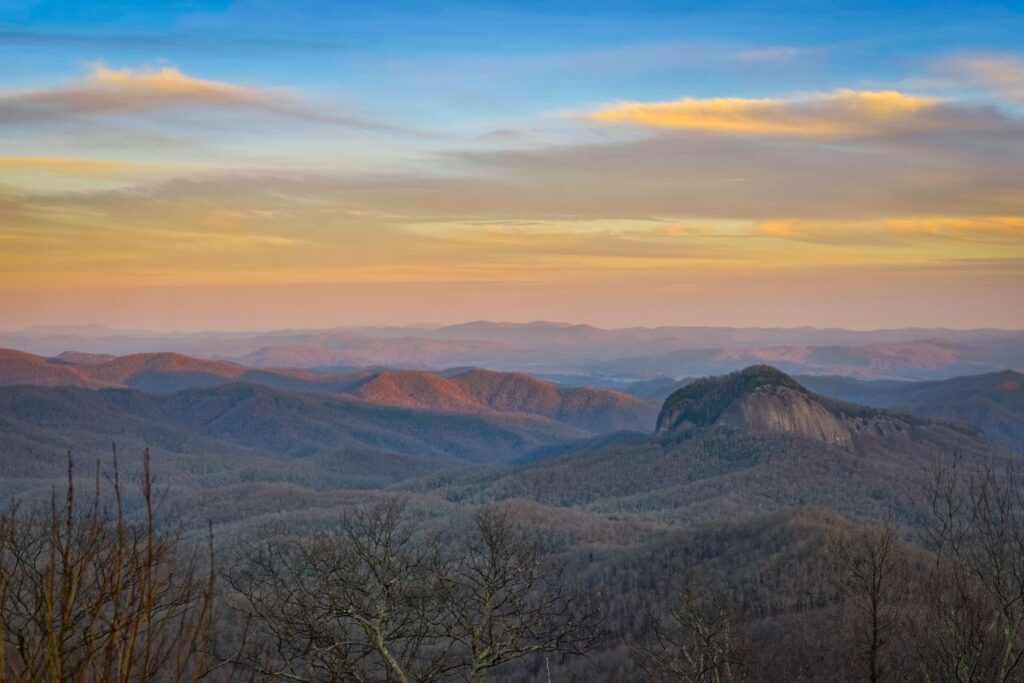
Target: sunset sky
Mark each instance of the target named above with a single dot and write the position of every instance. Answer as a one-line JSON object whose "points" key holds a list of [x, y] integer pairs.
{"points": [[260, 164]]}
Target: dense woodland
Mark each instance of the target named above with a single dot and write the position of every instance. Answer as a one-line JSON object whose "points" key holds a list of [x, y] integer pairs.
{"points": [[710, 553], [390, 591]]}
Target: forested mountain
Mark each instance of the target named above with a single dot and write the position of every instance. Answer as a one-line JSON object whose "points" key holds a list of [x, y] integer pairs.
{"points": [[743, 444], [992, 402], [602, 355], [150, 372], [738, 498], [266, 421], [475, 390], [464, 391]]}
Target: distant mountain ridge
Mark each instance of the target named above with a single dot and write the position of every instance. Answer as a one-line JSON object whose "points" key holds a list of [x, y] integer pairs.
{"points": [[546, 348], [993, 402], [471, 391]]}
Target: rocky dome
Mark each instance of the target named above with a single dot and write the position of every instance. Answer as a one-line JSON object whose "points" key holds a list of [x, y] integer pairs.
{"points": [[757, 400]]}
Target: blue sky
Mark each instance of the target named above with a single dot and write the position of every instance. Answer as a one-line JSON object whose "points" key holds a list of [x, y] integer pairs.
{"points": [[558, 54], [583, 146]]}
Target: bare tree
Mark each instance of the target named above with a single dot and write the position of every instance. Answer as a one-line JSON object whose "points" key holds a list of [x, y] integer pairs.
{"points": [[867, 578], [381, 601], [697, 643], [973, 601], [506, 596], [362, 604], [85, 595]]}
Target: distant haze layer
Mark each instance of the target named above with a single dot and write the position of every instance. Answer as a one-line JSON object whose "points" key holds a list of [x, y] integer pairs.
{"points": [[575, 354], [849, 298]]}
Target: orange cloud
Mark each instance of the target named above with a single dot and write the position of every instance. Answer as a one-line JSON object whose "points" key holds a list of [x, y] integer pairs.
{"points": [[168, 82], [1007, 231], [972, 228], [1004, 75], [824, 231], [116, 91], [71, 166], [843, 113]]}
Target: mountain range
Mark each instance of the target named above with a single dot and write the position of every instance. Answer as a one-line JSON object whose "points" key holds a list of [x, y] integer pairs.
{"points": [[362, 429], [993, 402], [589, 354], [757, 433], [747, 443], [465, 390], [741, 478]]}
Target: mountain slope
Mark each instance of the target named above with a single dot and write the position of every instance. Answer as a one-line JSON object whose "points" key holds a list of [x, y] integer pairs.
{"points": [[761, 400], [749, 443], [992, 402], [152, 372], [508, 393], [415, 389], [476, 392], [596, 410], [17, 367], [268, 421]]}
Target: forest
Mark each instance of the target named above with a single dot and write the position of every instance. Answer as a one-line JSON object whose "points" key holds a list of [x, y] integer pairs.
{"points": [[97, 586], [763, 533]]}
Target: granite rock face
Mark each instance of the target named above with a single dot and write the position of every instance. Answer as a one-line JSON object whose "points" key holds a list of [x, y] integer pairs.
{"points": [[759, 400], [774, 410]]}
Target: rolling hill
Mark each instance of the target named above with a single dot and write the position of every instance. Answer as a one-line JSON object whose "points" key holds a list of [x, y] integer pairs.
{"points": [[916, 359], [547, 348], [753, 442], [992, 402], [153, 372], [469, 391], [17, 367], [475, 390], [236, 421]]}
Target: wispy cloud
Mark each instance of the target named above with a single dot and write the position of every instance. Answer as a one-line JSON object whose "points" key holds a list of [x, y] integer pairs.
{"points": [[109, 91], [768, 55], [74, 166], [992, 229], [1002, 74], [280, 228], [838, 114], [899, 232], [691, 173]]}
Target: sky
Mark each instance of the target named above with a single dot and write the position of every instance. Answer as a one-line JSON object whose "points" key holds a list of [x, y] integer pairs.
{"points": [[257, 164]]}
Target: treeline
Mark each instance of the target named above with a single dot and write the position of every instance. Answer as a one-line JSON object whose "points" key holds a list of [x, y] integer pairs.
{"points": [[91, 590], [87, 595], [719, 474]]}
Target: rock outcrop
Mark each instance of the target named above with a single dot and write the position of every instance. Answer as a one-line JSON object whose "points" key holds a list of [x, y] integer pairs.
{"points": [[785, 410], [757, 400]]}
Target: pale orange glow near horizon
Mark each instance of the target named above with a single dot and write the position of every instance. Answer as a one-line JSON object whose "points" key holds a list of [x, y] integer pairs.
{"points": [[914, 296], [152, 196]]}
